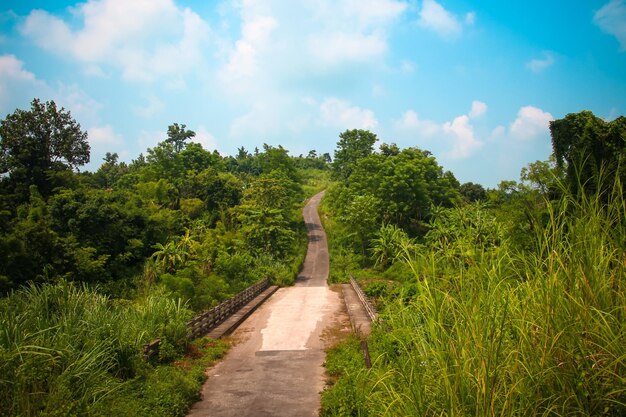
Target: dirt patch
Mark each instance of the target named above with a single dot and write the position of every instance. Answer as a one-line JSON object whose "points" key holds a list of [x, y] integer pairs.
{"points": [[340, 328]]}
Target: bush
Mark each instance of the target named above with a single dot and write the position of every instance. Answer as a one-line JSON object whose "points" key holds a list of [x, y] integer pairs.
{"points": [[502, 332], [65, 347]]}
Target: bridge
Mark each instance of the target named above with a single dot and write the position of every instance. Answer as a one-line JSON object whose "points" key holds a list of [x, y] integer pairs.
{"points": [[275, 367]]}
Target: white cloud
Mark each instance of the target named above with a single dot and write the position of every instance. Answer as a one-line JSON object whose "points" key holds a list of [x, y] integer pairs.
{"points": [[538, 65], [205, 138], [464, 140], [285, 43], [470, 18], [339, 47], [17, 84], [498, 132], [135, 37], [374, 12], [12, 68], [103, 139], [83, 108], [478, 109], [458, 135], [611, 18], [530, 123], [104, 136], [243, 61], [410, 123], [435, 17], [340, 114]]}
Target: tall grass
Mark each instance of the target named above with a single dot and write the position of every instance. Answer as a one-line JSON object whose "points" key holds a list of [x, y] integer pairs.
{"points": [[64, 348], [508, 334]]}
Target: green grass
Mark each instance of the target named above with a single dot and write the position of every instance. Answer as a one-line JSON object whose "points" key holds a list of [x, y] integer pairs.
{"points": [[314, 181], [502, 332], [165, 390], [67, 350]]}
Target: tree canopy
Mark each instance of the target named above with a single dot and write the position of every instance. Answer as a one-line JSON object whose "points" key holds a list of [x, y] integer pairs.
{"points": [[352, 146], [590, 149], [36, 141]]}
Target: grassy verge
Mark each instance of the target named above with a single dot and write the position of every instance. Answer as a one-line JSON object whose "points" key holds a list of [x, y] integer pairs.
{"points": [[314, 181], [499, 332], [165, 390], [66, 350]]}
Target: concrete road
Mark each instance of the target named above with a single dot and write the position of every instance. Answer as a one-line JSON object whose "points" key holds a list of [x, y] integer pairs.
{"points": [[275, 368]]}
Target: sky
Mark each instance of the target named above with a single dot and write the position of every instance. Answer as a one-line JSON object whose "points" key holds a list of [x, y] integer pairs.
{"points": [[474, 82]]}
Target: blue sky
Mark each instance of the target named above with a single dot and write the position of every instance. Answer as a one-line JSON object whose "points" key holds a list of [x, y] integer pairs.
{"points": [[476, 83]]}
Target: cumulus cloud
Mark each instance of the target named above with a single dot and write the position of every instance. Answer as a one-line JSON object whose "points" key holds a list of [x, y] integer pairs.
{"points": [[374, 12], [243, 60], [465, 142], [205, 138], [411, 123], [498, 132], [103, 139], [84, 108], [530, 123], [15, 80], [478, 109], [12, 68], [340, 114], [458, 134], [539, 64], [433, 16], [321, 38], [135, 37], [611, 18]]}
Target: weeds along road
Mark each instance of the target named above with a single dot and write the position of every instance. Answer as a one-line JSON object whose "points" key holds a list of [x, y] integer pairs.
{"points": [[275, 368]]}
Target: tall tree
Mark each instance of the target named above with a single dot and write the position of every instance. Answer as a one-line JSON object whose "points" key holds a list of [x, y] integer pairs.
{"points": [[177, 135], [353, 145], [36, 142], [590, 149]]}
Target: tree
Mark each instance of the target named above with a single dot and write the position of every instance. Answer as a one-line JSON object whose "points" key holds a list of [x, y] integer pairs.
{"points": [[473, 192], [177, 135], [277, 159], [407, 184], [39, 141], [590, 149], [353, 145]]}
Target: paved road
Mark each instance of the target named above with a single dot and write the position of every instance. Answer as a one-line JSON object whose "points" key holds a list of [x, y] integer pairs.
{"points": [[275, 369]]}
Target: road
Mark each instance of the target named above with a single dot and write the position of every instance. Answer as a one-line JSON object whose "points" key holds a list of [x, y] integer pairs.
{"points": [[276, 366]]}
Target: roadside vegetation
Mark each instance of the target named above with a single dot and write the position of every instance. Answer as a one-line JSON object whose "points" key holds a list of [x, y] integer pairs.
{"points": [[94, 265], [505, 301], [493, 302]]}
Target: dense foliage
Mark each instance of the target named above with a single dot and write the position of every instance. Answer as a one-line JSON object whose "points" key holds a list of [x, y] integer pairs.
{"points": [[202, 225], [94, 265], [507, 302]]}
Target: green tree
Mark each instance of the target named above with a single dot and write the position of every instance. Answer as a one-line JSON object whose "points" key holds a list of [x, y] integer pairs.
{"points": [[36, 142], [407, 183], [277, 159], [110, 171], [177, 135], [353, 145], [473, 192], [591, 150]]}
